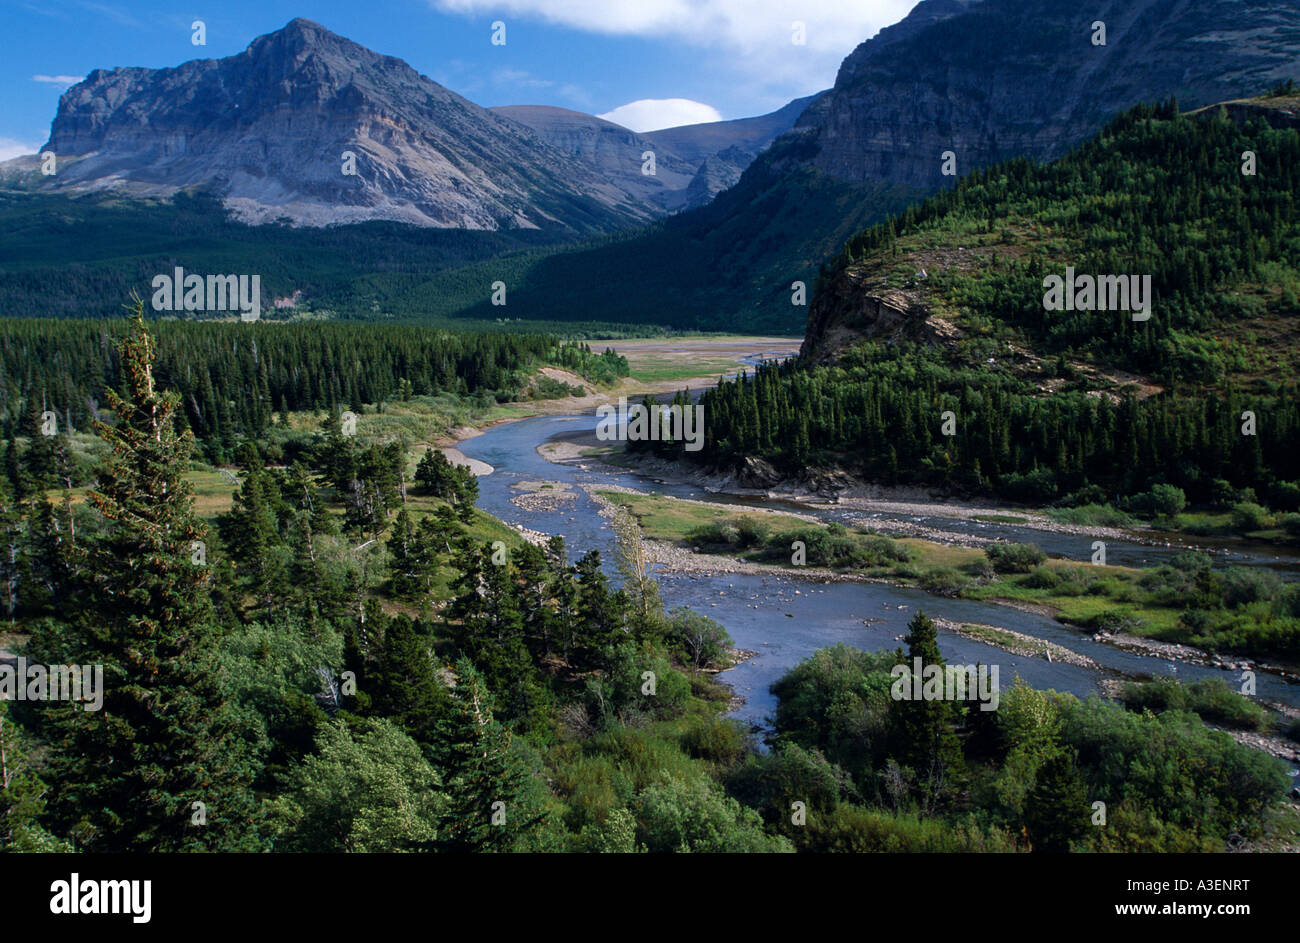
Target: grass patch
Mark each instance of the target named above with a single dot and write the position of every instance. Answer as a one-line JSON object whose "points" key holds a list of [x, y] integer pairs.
{"points": [[1092, 515]]}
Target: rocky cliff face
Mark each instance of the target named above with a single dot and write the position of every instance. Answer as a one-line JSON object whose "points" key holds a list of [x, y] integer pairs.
{"points": [[991, 79], [861, 304], [267, 130]]}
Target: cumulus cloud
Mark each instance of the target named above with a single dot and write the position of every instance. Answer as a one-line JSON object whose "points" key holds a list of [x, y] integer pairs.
{"points": [[654, 114], [9, 148], [63, 81], [758, 34]]}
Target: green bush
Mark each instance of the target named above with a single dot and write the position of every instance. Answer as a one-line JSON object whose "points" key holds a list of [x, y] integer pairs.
{"points": [[772, 783], [1248, 516], [856, 830], [1014, 558], [838, 549], [1210, 699], [719, 740], [1242, 586], [1167, 500], [1041, 577], [675, 816], [1092, 515], [945, 581], [700, 641], [1194, 778]]}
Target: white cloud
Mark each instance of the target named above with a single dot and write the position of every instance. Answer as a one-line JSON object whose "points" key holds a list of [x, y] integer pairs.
{"points": [[756, 34], [653, 114], [66, 81], [9, 148]]}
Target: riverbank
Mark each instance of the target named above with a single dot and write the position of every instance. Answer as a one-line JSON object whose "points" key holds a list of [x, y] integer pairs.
{"points": [[580, 447], [674, 529], [658, 367], [670, 557]]}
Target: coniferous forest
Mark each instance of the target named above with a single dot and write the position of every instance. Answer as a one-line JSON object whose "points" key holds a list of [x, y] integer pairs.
{"points": [[975, 530], [267, 687]]}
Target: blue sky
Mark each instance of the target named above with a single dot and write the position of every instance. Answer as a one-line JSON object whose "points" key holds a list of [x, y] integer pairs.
{"points": [[728, 58]]}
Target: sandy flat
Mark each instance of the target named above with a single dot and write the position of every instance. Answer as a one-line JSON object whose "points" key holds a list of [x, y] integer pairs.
{"points": [[457, 457]]}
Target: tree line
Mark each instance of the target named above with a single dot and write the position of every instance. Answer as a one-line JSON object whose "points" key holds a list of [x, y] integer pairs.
{"points": [[233, 379]]}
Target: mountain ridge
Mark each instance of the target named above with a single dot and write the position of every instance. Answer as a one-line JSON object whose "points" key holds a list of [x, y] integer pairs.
{"points": [[268, 130], [992, 79]]}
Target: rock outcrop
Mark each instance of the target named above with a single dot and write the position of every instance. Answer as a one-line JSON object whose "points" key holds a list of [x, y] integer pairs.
{"points": [[857, 305]]}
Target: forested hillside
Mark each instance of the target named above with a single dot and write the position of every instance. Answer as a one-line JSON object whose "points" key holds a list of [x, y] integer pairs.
{"points": [[725, 266], [79, 257], [939, 314]]}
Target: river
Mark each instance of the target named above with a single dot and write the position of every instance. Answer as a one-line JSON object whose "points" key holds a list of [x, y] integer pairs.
{"points": [[785, 620]]}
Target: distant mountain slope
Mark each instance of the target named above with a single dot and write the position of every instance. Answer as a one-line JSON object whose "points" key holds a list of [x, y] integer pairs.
{"points": [[728, 265], [693, 163], [696, 142], [992, 79], [612, 151], [266, 131], [721, 150]]}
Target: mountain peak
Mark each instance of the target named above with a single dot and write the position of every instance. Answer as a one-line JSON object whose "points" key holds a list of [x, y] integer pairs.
{"points": [[301, 39], [270, 131], [304, 32]]}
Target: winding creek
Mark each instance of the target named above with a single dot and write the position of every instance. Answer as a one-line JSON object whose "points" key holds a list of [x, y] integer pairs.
{"points": [[785, 620]]}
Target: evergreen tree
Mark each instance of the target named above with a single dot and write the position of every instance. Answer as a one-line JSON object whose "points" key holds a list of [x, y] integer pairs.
{"points": [[164, 754], [403, 685], [1056, 810], [404, 556], [488, 808], [22, 794], [922, 737]]}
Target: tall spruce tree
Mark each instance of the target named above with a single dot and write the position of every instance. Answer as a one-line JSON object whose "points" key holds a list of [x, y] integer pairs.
{"points": [[404, 686], [484, 780], [922, 737], [161, 767], [1057, 808]]}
